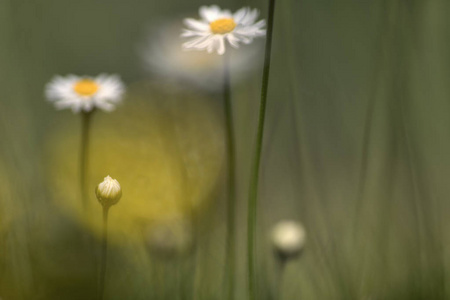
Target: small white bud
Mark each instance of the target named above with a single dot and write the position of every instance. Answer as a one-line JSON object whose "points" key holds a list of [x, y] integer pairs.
{"points": [[108, 192], [288, 239]]}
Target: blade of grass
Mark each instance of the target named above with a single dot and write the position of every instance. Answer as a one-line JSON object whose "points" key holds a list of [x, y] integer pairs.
{"points": [[253, 194]]}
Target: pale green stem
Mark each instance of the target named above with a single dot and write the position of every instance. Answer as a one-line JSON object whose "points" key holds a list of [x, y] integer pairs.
{"points": [[104, 252], [280, 267], [231, 200], [84, 155]]}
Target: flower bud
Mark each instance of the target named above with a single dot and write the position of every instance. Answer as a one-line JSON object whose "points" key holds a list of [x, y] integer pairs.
{"points": [[288, 239], [108, 192]]}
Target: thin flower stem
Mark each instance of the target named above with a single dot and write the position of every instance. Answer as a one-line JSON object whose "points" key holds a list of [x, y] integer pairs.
{"points": [[101, 283], [279, 273], [231, 200], [253, 194], [84, 155]]}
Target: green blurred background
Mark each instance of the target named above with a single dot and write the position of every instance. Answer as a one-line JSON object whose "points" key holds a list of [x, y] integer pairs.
{"points": [[356, 148]]}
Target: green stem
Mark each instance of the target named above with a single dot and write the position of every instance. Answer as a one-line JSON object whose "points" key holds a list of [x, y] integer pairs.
{"points": [[253, 194], [231, 201], [84, 155], [279, 276], [101, 283]]}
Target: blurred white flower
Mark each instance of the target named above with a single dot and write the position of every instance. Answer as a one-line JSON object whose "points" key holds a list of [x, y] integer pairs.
{"points": [[163, 57], [169, 238], [217, 26], [288, 238], [84, 93], [108, 192]]}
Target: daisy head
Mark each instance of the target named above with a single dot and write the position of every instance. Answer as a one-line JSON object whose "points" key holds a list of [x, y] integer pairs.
{"points": [[164, 58], [84, 93], [217, 26]]}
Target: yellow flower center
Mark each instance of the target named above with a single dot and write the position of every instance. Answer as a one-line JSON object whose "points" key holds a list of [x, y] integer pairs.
{"points": [[222, 26], [86, 87]]}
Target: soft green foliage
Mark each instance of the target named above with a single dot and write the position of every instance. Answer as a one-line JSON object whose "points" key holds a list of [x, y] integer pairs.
{"points": [[356, 147]]}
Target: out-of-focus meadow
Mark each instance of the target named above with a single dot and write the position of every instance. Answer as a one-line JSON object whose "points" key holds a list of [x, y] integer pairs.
{"points": [[356, 148]]}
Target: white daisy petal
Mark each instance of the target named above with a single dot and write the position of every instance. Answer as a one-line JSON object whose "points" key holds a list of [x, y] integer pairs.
{"points": [[259, 24], [217, 26], [209, 13], [195, 42], [243, 38], [205, 43], [234, 42], [250, 17], [190, 33], [105, 106], [240, 14], [84, 93], [196, 25], [221, 46]]}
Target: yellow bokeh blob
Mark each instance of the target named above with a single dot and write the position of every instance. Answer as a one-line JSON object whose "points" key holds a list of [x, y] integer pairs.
{"points": [[165, 147]]}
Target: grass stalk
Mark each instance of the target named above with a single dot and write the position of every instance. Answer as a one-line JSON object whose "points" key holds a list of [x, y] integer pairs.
{"points": [[253, 194]]}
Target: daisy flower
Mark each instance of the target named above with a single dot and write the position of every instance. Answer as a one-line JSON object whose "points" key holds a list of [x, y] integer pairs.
{"points": [[84, 93], [217, 26], [163, 57]]}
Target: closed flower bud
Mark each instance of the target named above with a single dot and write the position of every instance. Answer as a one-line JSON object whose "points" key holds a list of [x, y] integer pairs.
{"points": [[288, 239], [108, 192]]}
